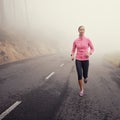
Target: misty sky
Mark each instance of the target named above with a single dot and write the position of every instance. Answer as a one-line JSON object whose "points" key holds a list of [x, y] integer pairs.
{"points": [[59, 20]]}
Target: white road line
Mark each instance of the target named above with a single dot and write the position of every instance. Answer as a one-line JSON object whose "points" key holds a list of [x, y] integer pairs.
{"points": [[50, 75], [6, 112], [62, 65]]}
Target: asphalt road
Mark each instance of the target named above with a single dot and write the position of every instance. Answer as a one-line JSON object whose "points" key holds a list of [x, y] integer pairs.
{"points": [[47, 89]]}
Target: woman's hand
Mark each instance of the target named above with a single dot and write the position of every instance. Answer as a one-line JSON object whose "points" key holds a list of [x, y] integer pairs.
{"points": [[72, 57], [88, 54]]}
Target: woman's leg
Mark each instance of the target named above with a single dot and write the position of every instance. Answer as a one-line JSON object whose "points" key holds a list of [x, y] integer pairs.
{"points": [[85, 66], [79, 73], [81, 84]]}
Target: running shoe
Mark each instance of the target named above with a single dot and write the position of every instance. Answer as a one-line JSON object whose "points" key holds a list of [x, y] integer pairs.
{"points": [[85, 80], [81, 93]]}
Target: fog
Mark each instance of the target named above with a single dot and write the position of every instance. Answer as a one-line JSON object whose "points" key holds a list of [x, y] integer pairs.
{"points": [[56, 21]]}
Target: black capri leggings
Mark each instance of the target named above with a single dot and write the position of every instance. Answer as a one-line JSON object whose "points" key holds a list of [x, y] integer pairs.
{"points": [[82, 68]]}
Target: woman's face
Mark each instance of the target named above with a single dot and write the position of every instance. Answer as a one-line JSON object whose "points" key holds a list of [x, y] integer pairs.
{"points": [[81, 30]]}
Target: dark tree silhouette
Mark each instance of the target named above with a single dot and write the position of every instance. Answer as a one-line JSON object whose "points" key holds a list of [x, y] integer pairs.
{"points": [[2, 14]]}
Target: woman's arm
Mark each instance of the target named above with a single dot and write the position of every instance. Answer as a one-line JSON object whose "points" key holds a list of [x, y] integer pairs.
{"points": [[73, 50], [91, 47]]}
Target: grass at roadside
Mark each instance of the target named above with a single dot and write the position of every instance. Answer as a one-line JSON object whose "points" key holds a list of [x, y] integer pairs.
{"points": [[113, 58]]}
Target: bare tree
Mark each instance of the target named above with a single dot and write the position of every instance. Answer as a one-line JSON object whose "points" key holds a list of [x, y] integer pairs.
{"points": [[26, 13], [14, 11], [2, 14]]}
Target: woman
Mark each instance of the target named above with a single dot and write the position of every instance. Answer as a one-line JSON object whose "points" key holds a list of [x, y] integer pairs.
{"points": [[82, 44]]}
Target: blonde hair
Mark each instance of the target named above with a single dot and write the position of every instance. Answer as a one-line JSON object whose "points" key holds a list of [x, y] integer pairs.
{"points": [[80, 27]]}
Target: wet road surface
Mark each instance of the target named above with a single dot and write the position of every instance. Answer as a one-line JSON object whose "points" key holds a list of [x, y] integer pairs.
{"points": [[47, 89]]}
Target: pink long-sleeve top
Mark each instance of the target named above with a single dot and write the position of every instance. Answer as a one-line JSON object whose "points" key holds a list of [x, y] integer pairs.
{"points": [[83, 46]]}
